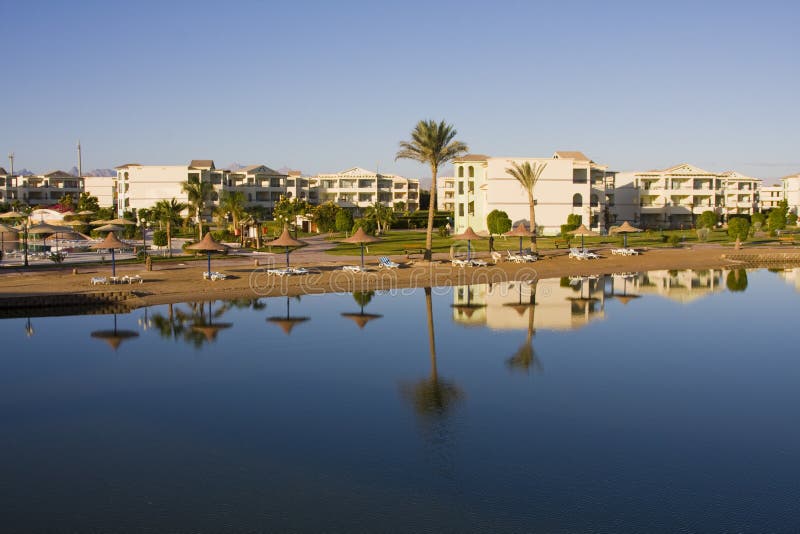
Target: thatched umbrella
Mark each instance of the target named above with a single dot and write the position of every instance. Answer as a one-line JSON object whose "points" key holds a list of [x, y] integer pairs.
{"points": [[287, 323], [583, 231], [625, 229], [122, 222], [109, 228], [361, 237], [208, 245], [286, 240], [114, 337], [85, 212], [111, 243], [47, 230], [520, 231], [12, 215], [468, 308], [468, 234]]}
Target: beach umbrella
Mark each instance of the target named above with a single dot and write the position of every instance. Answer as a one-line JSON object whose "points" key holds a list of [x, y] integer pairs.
{"points": [[210, 329], [120, 221], [362, 298], [468, 234], [520, 231], [114, 337], [69, 213], [583, 232], [47, 230], [85, 212], [625, 229], [520, 306], [109, 228], [111, 243], [12, 215], [286, 240], [361, 237], [208, 245], [287, 323]]}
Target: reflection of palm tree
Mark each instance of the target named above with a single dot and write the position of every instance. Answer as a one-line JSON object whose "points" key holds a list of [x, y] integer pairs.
{"points": [[362, 298], [525, 357], [434, 395]]}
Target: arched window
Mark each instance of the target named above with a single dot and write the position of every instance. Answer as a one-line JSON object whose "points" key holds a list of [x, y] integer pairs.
{"points": [[577, 200], [593, 202], [472, 172], [461, 172]]}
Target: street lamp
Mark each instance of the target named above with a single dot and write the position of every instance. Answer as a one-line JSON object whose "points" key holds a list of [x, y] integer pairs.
{"points": [[25, 239], [143, 224]]}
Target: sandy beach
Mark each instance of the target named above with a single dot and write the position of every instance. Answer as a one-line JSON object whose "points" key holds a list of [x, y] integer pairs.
{"points": [[179, 282]]}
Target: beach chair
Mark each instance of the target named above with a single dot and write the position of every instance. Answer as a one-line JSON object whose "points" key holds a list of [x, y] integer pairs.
{"points": [[497, 257], [354, 269], [135, 279], [460, 263], [385, 263], [516, 258], [478, 263], [298, 270], [218, 276], [99, 280]]}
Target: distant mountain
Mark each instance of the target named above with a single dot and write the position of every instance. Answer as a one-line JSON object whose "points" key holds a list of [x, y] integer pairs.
{"points": [[23, 172], [235, 166], [284, 169], [73, 171], [101, 172]]}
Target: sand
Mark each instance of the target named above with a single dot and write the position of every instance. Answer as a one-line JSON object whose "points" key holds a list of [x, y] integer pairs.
{"points": [[171, 283]]}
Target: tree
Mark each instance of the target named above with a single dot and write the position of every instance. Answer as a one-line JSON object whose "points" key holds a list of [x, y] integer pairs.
{"points": [[498, 222], [288, 209], [381, 215], [738, 228], [400, 206], [736, 280], [160, 238], [527, 175], [432, 144], [199, 193], [67, 202], [325, 216], [344, 221], [87, 202], [573, 222], [707, 219], [169, 213], [231, 204]]}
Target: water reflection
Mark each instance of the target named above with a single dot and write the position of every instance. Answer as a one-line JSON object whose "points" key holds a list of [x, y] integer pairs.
{"points": [[736, 280], [191, 323], [362, 298], [287, 322], [525, 357], [115, 336], [791, 276], [208, 328]]}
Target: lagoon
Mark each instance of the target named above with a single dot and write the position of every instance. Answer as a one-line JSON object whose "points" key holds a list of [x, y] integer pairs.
{"points": [[657, 401]]}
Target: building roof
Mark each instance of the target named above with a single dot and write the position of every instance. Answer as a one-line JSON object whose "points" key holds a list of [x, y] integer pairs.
{"points": [[202, 163], [59, 174], [293, 173], [473, 157], [3, 171], [251, 168], [129, 165], [571, 154]]}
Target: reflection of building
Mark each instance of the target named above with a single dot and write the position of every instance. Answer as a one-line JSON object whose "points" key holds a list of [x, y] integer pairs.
{"points": [[682, 286], [559, 304], [791, 276]]}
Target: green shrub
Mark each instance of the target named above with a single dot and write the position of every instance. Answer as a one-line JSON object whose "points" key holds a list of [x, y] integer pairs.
{"points": [[344, 221], [498, 222], [738, 228], [443, 231], [573, 222], [703, 234], [707, 219], [758, 218], [368, 225], [675, 240], [736, 280], [160, 238], [776, 220]]}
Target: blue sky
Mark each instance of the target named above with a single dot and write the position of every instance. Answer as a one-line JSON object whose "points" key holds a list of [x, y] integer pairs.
{"points": [[324, 86]]}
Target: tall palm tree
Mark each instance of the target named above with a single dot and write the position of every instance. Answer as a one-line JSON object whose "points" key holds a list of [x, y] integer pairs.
{"points": [[433, 144], [382, 215], [231, 203], [198, 193], [169, 212], [527, 175]]}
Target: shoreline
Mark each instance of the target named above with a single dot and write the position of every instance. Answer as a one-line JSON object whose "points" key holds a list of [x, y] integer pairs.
{"points": [[183, 282]]}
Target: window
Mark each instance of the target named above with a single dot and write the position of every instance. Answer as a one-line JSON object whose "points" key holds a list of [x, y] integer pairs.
{"points": [[471, 187], [471, 208], [460, 188], [472, 172], [461, 209], [461, 172], [593, 202], [579, 176], [577, 200]]}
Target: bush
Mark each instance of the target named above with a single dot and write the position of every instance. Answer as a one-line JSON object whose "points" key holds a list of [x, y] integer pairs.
{"points": [[758, 218], [703, 233], [326, 216], [368, 225], [776, 220], [498, 222], [707, 219], [443, 231], [573, 222], [791, 219], [344, 221], [738, 228], [160, 238], [675, 240], [737, 280]]}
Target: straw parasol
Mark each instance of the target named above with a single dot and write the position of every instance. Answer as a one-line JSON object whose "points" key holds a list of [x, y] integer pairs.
{"points": [[114, 337], [286, 240], [468, 234], [119, 221], [625, 228], [109, 228], [287, 323], [208, 245], [583, 232], [12, 215], [85, 212], [468, 308], [520, 231], [111, 243], [361, 237]]}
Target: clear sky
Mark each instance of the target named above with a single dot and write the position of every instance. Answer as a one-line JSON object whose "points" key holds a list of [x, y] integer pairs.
{"points": [[324, 86]]}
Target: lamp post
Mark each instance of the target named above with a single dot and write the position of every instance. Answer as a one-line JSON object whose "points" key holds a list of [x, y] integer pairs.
{"points": [[143, 224], [25, 240]]}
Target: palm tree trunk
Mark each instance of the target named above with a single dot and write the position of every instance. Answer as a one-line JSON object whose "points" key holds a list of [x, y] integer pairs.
{"points": [[431, 209], [199, 225], [533, 220], [169, 237]]}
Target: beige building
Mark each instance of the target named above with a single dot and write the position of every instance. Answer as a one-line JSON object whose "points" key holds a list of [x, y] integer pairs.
{"points": [[770, 197], [791, 192], [35, 190], [446, 193], [571, 183], [102, 187], [359, 188]]}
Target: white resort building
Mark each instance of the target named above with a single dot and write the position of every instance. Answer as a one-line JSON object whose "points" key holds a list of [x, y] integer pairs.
{"points": [[35, 190], [359, 188]]}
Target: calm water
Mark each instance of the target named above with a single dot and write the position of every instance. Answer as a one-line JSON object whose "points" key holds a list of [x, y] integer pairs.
{"points": [[667, 401]]}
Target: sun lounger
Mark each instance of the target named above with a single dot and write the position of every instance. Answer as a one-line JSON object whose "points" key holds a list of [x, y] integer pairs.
{"points": [[354, 269], [298, 270], [214, 276], [497, 257], [478, 263], [99, 280], [460, 263], [135, 279], [385, 263], [516, 258]]}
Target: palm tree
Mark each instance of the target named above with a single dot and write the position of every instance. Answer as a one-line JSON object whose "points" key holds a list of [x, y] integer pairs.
{"points": [[382, 215], [198, 193], [527, 175], [231, 203], [169, 212], [433, 144]]}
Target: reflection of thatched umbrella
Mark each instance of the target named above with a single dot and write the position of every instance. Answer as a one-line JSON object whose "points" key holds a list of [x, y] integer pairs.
{"points": [[208, 245], [361, 319], [625, 229], [114, 337], [520, 231], [361, 237], [468, 234], [468, 308], [287, 323], [111, 243], [210, 329], [521, 307], [583, 231], [286, 240], [525, 357]]}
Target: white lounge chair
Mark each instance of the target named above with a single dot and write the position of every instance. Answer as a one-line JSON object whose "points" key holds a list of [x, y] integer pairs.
{"points": [[135, 279], [516, 258], [478, 263], [298, 270], [497, 257], [385, 263], [354, 269], [99, 280], [460, 263], [279, 272]]}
